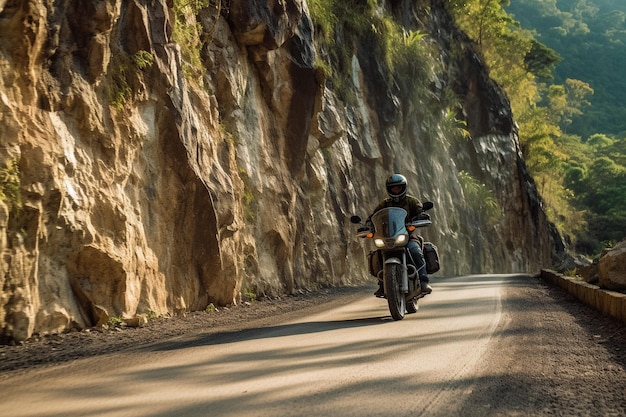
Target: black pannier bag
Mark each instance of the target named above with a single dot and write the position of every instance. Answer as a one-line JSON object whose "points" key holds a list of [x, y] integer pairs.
{"points": [[431, 256], [375, 262]]}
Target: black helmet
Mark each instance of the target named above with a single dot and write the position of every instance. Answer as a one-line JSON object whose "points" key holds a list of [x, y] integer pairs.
{"points": [[393, 181]]}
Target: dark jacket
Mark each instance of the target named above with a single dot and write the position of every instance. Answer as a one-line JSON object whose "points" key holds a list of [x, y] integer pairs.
{"points": [[411, 204]]}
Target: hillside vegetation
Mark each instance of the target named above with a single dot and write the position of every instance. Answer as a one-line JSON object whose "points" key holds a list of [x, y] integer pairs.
{"points": [[561, 67], [590, 36]]}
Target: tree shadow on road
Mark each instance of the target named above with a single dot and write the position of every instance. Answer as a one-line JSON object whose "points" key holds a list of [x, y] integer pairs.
{"points": [[292, 329]]}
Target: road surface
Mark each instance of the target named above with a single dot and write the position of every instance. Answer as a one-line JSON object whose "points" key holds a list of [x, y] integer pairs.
{"points": [[353, 360]]}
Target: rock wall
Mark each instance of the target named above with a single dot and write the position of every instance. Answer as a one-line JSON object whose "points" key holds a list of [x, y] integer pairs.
{"points": [[148, 185]]}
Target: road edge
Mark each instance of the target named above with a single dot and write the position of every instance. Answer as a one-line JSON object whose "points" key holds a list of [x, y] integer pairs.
{"points": [[609, 303]]}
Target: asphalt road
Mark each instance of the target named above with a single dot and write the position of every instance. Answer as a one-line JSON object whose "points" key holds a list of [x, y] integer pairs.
{"points": [[349, 361], [353, 360]]}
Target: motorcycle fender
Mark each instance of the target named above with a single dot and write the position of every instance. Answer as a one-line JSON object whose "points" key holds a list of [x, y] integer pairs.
{"points": [[404, 287], [393, 260]]}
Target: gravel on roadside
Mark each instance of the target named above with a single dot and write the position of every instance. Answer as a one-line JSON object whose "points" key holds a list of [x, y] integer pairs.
{"points": [[551, 356]]}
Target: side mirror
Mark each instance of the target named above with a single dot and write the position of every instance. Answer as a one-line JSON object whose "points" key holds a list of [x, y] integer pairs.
{"points": [[355, 219], [427, 205]]}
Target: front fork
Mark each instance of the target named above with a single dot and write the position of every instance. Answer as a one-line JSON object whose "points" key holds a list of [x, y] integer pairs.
{"points": [[399, 258], [409, 282]]}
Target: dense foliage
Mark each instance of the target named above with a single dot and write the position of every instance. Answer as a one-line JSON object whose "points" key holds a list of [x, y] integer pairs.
{"points": [[570, 122], [590, 35]]}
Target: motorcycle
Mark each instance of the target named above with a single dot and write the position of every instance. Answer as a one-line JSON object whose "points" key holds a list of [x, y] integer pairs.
{"points": [[390, 230]]}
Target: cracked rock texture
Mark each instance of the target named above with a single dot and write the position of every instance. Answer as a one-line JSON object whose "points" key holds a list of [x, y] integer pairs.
{"points": [[150, 183]]}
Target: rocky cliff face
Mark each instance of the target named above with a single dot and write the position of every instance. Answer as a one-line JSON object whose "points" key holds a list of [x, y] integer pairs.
{"points": [[150, 184]]}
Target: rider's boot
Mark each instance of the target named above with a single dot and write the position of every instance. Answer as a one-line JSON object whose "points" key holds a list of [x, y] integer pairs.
{"points": [[425, 288], [380, 292]]}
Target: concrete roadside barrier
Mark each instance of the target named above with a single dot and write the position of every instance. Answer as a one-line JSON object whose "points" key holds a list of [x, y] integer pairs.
{"points": [[607, 302]]}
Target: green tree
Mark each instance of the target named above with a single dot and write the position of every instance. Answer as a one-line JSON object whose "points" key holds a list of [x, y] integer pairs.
{"points": [[517, 62], [599, 141], [540, 60], [567, 101], [605, 181]]}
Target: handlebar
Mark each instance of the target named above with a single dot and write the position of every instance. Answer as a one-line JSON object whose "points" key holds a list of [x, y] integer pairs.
{"points": [[420, 223], [367, 229], [364, 231]]}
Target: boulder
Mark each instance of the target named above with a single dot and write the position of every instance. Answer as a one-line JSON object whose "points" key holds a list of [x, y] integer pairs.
{"points": [[589, 273], [137, 321], [612, 268]]}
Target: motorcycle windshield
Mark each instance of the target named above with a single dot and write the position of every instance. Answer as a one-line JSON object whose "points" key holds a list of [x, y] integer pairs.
{"points": [[389, 222]]}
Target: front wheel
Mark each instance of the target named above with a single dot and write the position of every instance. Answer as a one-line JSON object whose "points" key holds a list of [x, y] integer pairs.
{"points": [[395, 298]]}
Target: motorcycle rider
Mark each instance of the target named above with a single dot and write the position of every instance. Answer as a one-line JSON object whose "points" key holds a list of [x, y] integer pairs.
{"points": [[397, 190]]}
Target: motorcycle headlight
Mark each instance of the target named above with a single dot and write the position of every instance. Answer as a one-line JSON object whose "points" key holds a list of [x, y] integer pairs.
{"points": [[379, 243], [400, 240]]}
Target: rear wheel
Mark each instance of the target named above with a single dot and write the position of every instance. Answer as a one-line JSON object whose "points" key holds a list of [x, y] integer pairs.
{"points": [[395, 298]]}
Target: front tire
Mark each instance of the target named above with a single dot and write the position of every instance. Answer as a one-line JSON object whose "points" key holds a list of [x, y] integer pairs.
{"points": [[395, 298]]}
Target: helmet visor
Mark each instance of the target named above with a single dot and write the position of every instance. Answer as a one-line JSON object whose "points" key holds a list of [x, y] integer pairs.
{"points": [[396, 190]]}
